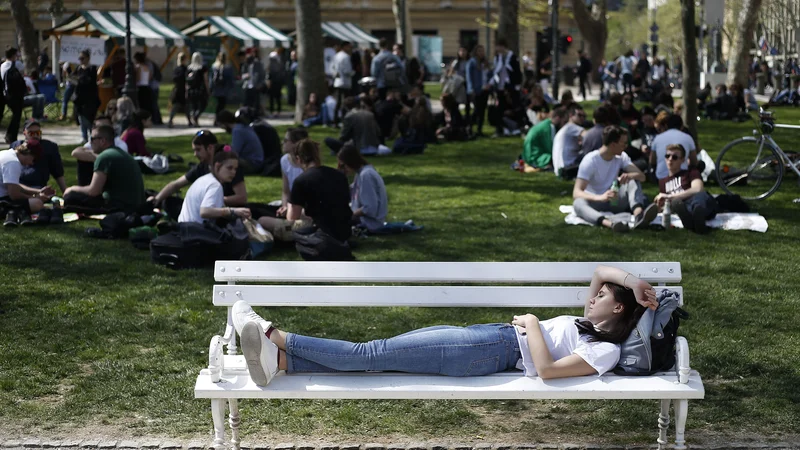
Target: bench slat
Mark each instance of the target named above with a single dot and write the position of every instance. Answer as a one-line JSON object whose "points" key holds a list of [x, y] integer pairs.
{"points": [[236, 383], [435, 272], [419, 296]]}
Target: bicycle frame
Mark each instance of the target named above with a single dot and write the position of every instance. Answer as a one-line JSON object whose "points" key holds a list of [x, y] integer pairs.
{"points": [[775, 145]]}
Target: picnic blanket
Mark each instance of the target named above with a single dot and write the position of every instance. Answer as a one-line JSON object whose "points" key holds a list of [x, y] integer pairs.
{"points": [[724, 221]]}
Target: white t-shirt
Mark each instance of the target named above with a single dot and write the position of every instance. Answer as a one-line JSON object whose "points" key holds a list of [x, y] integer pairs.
{"points": [[562, 339], [660, 144], [601, 173], [625, 64], [10, 170], [290, 170], [566, 147], [205, 192], [119, 143]]}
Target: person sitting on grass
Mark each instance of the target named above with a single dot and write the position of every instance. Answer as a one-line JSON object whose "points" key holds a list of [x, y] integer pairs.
{"points": [[451, 124], [205, 147], [537, 150], [508, 115], [388, 112], [360, 126], [593, 138], [116, 184], [133, 136], [320, 196], [416, 128], [588, 345], [18, 200], [86, 156], [685, 191], [47, 162], [723, 107], [289, 171], [672, 134], [244, 142], [205, 200], [595, 194], [314, 113], [567, 144], [368, 198]]}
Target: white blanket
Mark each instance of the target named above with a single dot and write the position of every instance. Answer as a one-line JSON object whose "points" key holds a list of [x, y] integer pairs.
{"points": [[725, 221]]}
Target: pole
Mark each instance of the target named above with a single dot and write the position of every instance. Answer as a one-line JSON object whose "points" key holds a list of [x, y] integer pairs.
{"points": [[129, 90], [403, 29], [488, 29], [702, 51], [168, 10], [555, 52], [141, 6], [56, 12], [194, 10]]}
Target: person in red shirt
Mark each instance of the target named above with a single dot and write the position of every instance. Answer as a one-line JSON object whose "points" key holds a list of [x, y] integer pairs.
{"points": [[686, 192]]}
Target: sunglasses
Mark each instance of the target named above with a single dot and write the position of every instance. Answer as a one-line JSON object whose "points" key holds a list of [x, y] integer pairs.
{"points": [[672, 156]]}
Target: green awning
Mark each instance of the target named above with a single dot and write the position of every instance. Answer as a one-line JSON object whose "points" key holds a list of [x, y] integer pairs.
{"points": [[146, 29], [250, 31], [346, 31]]}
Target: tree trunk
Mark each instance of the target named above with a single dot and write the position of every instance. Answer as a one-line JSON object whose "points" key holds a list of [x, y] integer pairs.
{"points": [[311, 66], [742, 42], [508, 24], [26, 34], [397, 6], [234, 8], [691, 76], [594, 30], [249, 8]]}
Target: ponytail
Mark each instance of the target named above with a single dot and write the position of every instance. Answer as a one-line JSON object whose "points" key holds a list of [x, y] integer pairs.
{"points": [[631, 313], [222, 153]]}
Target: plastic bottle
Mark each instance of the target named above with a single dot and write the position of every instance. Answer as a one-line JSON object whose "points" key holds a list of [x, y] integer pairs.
{"points": [[667, 214], [615, 187]]}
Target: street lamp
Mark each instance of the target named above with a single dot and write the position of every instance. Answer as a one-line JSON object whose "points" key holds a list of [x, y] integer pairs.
{"points": [[129, 90], [488, 19]]}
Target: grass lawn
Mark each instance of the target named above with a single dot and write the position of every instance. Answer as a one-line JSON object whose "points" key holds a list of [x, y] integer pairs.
{"points": [[97, 338]]}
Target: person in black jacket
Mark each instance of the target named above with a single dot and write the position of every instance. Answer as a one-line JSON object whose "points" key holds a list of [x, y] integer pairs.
{"points": [[506, 73], [178, 95], [452, 126], [584, 69]]}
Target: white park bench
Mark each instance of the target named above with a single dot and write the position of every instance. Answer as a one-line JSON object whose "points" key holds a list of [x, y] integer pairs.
{"points": [[429, 284]]}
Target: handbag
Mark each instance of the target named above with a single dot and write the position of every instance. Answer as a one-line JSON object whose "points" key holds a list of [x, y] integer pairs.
{"points": [[257, 232]]}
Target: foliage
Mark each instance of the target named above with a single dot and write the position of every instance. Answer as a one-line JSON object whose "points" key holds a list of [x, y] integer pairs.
{"points": [[629, 28]]}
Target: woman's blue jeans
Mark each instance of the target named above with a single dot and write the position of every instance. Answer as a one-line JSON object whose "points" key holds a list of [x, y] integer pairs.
{"points": [[68, 91], [443, 350]]}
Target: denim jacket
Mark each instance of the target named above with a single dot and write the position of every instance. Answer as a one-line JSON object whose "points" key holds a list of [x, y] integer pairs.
{"points": [[476, 76]]}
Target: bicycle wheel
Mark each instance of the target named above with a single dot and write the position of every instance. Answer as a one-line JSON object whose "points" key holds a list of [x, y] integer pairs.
{"points": [[750, 168]]}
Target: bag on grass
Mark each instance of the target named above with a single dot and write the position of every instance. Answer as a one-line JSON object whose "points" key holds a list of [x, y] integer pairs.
{"points": [[651, 346], [261, 240], [316, 245], [197, 245]]}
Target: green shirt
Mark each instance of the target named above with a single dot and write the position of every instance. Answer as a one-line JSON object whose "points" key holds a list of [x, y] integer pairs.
{"points": [[537, 151], [124, 187]]}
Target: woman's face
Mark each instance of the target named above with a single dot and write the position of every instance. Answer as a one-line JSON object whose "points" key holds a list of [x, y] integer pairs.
{"points": [[462, 53], [288, 145], [603, 306], [345, 168], [225, 171], [627, 102], [312, 98], [481, 53]]}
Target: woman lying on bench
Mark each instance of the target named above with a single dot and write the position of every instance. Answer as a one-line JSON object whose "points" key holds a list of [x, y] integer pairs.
{"points": [[565, 346]]}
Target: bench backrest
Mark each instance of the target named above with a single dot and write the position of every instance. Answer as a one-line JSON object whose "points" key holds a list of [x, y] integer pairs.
{"points": [[424, 284]]}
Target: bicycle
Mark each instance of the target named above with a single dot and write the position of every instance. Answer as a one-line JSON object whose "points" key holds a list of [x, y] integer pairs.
{"points": [[753, 166]]}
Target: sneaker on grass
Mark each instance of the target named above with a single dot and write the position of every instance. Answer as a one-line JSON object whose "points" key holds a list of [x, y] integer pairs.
{"points": [[12, 219]]}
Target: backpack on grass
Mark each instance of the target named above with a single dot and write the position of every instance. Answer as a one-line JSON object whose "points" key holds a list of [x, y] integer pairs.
{"points": [[651, 346]]}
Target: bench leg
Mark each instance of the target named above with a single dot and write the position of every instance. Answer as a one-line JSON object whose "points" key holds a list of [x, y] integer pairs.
{"points": [[233, 420], [218, 414], [681, 411], [663, 424]]}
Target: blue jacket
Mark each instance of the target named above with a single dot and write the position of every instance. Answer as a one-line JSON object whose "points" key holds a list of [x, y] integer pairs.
{"points": [[376, 69], [476, 76]]}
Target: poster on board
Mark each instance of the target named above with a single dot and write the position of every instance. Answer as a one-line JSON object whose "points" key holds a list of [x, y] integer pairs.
{"points": [[72, 46], [429, 51]]}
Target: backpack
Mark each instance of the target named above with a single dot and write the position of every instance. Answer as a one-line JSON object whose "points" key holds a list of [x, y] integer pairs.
{"points": [[276, 69], [153, 165], [650, 348], [195, 79], [316, 245], [394, 76], [14, 84]]}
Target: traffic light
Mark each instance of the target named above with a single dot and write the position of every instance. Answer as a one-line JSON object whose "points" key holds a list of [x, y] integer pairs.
{"points": [[565, 40]]}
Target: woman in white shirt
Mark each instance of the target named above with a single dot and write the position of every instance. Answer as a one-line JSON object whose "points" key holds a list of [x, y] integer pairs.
{"points": [[565, 346], [205, 199]]}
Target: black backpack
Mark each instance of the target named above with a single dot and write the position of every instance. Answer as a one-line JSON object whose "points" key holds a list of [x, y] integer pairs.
{"points": [[195, 79], [394, 76], [14, 84], [316, 245]]}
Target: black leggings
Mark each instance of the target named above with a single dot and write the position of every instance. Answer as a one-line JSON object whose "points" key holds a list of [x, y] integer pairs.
{"points": [[480, 99], [275, 99], [221, 102]]}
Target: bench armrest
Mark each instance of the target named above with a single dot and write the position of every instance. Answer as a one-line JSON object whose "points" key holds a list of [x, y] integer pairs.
{"points": [[682, 368], [216, 358]]}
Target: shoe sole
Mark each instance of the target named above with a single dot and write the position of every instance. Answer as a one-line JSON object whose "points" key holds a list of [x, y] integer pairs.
{"points": [[10, 224], [619, 227], [251, 348], [648, 216]]}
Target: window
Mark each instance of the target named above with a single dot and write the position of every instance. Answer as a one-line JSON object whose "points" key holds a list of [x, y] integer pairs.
{"points": [[389, 35], [468, 39], [426, 32]]}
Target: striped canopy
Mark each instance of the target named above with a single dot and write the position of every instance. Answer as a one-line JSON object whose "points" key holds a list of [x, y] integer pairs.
{"points": [[250, 31], [146, 29], [346, 31]]}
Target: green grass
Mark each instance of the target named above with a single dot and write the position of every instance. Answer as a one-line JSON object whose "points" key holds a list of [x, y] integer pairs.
{"points": [[96, 335]]}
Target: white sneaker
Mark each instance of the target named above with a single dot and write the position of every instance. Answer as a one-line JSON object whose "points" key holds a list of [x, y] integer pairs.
{"points": [[243, 313], [260, 353]]}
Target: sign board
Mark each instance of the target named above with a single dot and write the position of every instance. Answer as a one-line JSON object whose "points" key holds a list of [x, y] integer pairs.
{"points": [[429, 51], [72, 46], [209, 47]]}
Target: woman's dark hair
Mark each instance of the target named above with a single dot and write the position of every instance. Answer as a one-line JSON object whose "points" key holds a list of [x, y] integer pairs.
{"points": [[613, 133], [204, 138], [139, 57], [306, 152], [631, 313], [449, 102], [475, 51], [297, 134], [223, 152], [615, 99], [674, 122], [351, 157], [420, 117]]}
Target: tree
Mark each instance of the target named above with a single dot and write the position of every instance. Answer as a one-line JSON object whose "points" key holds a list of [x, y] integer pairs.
{"points": [[311, 65], [26, 34], [508, 24], [401, 8], [234, 8], [691, 76], [249, 8], [742, 41], [593, 26]]}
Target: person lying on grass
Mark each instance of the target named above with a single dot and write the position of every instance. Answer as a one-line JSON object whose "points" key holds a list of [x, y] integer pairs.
{"points": [[565, 346], [205, 200]]}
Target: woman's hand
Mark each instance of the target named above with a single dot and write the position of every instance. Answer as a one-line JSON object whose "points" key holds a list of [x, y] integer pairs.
{"points": [[281, 212], [645, 294], [526, 321], [243, 213]]}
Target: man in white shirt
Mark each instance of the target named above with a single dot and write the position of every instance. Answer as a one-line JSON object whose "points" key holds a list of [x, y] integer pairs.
{"points": [[673, 135], [17, 200], [568, 140], [343, 77], [595, 194], [34, 99]]}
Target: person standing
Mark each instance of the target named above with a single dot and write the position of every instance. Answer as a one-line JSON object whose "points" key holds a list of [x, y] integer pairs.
{"points": [[155, 88], [14, 91], [87, 99], [197, 87], [277, 75], [178, 95], [255, 81], [478, 87], [387, 69], [626, 63], [506, 73], [291, 87], [144, 92], [584, 69], [69, 89], [221, 81], [343, 80]]}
